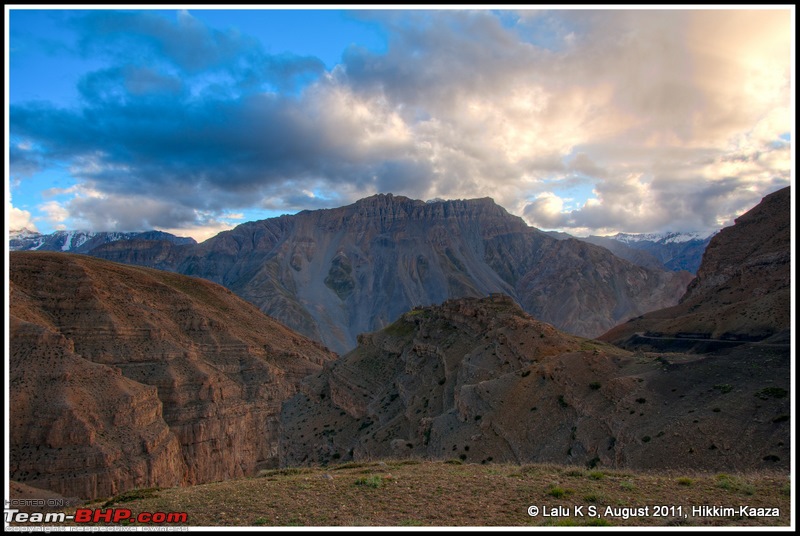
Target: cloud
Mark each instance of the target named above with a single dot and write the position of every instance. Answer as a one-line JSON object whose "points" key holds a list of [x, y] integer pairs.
{"points": [[671, 117], [55, 213], [188, 46], [20, 219]]}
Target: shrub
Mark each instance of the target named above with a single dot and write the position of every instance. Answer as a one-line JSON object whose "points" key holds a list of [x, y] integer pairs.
{"points": [[772, 392], [370, 481], [558, 492], [132, 495]]}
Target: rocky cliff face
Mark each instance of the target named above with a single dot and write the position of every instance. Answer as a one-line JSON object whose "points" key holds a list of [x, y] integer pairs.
{"points": [[127, 377], [332, 274], [742, 289], [482, 381]]}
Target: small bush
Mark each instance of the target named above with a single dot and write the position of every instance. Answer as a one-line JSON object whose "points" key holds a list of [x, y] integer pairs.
{"points": [[725, 482], [685, 481], [594, 386], [558, 492], [772, 392], [627, 485], [724, 388], [596, 475], [646, 439], [370, 481], [132, 495]]}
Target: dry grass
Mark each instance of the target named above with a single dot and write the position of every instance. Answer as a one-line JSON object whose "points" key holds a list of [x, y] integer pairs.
{"points": [[398, 493]]}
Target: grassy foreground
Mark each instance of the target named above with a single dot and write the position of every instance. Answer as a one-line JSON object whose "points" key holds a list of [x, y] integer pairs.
{"points": [[414, 493]]}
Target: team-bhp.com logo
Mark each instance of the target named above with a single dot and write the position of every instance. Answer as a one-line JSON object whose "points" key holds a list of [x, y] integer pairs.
{"points": [[96, 515]]}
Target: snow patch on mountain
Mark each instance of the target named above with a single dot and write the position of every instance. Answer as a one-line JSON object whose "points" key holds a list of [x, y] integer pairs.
{"points": [[659, 238]]}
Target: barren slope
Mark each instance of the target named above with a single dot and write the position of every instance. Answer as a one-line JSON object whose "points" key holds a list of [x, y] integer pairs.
{"points": [[126, 377], [480, 380]]}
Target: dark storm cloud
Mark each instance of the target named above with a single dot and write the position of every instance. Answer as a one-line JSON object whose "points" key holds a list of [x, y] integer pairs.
{"points": [[188, 114], [206, 153]]}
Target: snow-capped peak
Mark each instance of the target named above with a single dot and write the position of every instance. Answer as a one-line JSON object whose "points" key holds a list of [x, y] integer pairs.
{"points": [[661, 238]]}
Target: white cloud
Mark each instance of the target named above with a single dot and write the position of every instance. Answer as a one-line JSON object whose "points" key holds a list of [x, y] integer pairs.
{"points": [[20, 219], [55, 213]]}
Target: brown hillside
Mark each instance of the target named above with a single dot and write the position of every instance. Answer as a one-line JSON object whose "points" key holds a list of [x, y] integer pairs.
{"points": [[481, 381], [127, 377]]}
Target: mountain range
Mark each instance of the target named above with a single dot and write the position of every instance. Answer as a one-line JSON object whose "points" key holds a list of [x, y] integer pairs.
{"points": [[335, 273], [127, 377], [673, 251], [480, 380], [81, 241]]}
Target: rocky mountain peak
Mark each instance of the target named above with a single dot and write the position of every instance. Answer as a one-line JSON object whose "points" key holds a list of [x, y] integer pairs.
{"points": [[334, 273]]}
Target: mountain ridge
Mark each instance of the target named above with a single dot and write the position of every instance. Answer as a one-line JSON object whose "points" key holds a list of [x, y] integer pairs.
{"points": [[334, 273]]}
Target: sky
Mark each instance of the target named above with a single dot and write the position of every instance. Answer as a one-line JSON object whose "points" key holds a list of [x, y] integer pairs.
{"points": [[586, 121]]}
